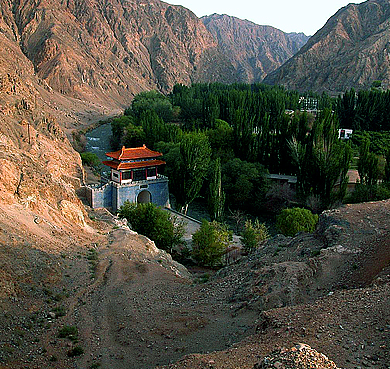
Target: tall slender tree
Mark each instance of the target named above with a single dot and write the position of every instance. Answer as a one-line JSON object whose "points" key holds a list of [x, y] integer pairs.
{"points": [[188, 163], [216, 198]]}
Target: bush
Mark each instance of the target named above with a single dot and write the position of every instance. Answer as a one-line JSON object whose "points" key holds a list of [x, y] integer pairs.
{"points": [[153, 222], [292, 221], [75, 351], [364, 193], [253, 234], [210, 242], [91, 159], [68, 332]]}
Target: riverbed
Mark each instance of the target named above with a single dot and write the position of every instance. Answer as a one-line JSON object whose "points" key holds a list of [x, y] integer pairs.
{"points": [[98, 141]]}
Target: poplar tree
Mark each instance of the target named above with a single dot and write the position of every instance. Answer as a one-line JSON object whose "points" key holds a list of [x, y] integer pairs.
{"points": [[367, 164], [216, 200], [188, 163]]}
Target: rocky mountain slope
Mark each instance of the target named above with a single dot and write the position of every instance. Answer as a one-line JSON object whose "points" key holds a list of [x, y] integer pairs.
{"points": [[351, 50], [253, 50], [107, 51], [329, 290]]}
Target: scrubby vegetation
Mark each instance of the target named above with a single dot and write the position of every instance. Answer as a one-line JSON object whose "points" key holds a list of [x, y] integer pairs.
{"points": [[253, 234], [160, 226], [292, 221], [210, 243]]}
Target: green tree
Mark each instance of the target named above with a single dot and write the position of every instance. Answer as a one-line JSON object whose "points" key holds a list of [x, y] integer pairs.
{"points": [[216, 198], [151, 100], [210, 242], [91, 159], [187, 165], [221, 140], [118, 127], [322, 161], [244, 183], [253, 234], [153, 222], [367, 164], [292, 221], [387, 167], [346, 109], [134, 136]]}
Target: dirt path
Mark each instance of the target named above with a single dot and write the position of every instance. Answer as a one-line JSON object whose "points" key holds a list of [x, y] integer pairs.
{"points": [[136, 313]]}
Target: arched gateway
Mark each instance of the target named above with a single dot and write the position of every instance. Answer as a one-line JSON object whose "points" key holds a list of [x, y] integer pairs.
{"points": [[144, 197], [134, 178]]}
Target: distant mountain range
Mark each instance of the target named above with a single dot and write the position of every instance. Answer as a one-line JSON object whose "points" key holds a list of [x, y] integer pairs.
{"points": [[108, 51], [253, 50], [351, 50]]}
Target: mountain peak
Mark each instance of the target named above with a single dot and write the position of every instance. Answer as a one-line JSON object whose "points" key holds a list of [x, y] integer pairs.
{"points": [[351, 50]]}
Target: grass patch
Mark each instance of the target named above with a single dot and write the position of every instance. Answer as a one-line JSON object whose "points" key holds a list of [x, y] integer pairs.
{"points": [[59, 311], [93, 260], [95, 366], [204, 278], [315, 253], [69, 332]]}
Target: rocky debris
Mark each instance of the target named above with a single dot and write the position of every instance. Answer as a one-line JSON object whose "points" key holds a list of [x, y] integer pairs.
{"points": [[139, 248], [287, 271], [73, 213], [299, 357]]}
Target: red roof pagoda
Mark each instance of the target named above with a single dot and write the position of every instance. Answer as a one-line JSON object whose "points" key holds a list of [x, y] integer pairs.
{"points": [[133, 164]]}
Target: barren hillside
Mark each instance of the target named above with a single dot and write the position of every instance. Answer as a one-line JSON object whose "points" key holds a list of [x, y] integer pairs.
{"points": [[351, 50], [135, 308]]}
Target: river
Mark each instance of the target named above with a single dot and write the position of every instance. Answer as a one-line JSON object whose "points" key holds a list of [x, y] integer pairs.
{"points": [[98, 141]]}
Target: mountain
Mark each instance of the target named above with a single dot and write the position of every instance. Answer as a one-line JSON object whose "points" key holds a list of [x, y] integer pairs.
{"points": [[110, 50], [351, 50], [253, 50]]}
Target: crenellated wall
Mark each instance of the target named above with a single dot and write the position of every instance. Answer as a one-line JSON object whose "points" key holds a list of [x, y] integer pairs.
{"points": [[113, 195]]}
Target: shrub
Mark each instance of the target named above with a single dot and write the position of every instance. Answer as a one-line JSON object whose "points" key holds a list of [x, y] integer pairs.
{"points": [[292, 221], [253, 234], [210, 242], [91, 159], [153, 222], [75, 351], [68, 332], [59, 311], [364, 193]]}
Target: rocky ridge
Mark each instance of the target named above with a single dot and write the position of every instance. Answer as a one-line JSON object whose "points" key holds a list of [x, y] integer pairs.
{"points": [[105, 52], [351, 50], [253, 50]]}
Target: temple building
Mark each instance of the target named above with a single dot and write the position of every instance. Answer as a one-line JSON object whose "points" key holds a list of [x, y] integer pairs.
{"points": [[134, 177]]}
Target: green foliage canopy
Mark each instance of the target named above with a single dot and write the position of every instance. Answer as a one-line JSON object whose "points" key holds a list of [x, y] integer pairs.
{"points": [[153, 222], [253, 234], [188, 162], [210, 242], [292, 221]]}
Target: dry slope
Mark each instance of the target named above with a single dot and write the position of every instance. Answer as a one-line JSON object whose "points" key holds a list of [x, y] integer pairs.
{"points": [[351, 50]]}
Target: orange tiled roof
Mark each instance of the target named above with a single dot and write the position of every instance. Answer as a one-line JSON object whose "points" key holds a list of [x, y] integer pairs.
{"points": [[133, 165], [133, 153]]}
